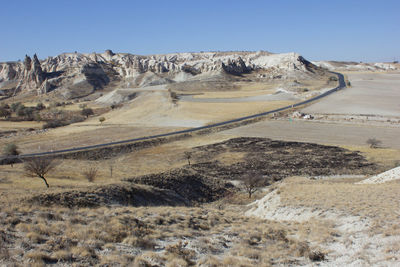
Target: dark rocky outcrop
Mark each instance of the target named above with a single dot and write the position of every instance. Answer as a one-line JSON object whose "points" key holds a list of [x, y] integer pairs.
{"points": [[236, 67], [126, 194]]}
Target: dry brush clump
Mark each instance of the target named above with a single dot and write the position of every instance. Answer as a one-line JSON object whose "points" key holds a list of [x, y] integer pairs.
{"points": [[164, 236], [373, 142], [91, 174]]}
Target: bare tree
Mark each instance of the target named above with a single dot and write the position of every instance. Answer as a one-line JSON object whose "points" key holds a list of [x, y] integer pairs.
{"points": [[39, 167], [111, 167], [373, 142], [188, 156], [90, 174], [252, 181]]}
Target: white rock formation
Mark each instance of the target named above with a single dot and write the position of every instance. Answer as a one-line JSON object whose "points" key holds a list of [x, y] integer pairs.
{"points": [[355, 66], [75, 71]]}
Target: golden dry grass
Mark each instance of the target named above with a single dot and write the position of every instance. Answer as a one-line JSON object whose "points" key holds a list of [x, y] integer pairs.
{"points": [[386, 157], [265, 89], [16, 125], [125, 235], [69, 173], [377, 202]]}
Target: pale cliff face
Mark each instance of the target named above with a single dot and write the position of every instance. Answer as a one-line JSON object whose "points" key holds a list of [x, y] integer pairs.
{"points": [[75, 70]]}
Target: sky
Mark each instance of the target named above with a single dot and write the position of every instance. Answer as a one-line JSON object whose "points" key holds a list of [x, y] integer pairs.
{"points": [[351, 30]]}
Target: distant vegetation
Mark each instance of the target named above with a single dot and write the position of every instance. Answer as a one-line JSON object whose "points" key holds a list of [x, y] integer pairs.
{"points": [[53, 115], [11, 150], [373, 142]]}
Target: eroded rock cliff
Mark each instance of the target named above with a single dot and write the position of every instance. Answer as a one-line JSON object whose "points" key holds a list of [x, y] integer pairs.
{"points": [[77, 74]]}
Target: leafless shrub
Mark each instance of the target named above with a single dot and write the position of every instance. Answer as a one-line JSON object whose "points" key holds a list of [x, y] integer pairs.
{"points": [[188, 156], [373, 142], [90, 174], [39, 167], [252, 181], [111, 168]]}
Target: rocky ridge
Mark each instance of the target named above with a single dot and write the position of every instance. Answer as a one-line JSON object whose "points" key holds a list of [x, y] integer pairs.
{"points": [[356, 66], [76, 74]]}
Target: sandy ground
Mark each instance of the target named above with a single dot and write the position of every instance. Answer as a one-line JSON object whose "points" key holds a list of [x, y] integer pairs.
{"points": [[14, 125], [370, 94], [319, 132]]}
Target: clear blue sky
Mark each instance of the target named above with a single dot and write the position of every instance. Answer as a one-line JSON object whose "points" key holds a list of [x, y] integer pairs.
{"points": [[358, 30]]}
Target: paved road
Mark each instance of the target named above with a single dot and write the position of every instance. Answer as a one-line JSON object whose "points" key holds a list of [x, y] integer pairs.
{"points": [[341, 85]]}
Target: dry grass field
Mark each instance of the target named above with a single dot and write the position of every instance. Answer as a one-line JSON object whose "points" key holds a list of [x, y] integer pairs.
{"points": [[150, 207], [146, 237], [172, 236]]}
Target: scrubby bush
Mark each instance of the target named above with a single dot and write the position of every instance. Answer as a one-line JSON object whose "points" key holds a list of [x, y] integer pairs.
{"points": [[4, 112], [40, 106], [20, 110], [90, 174], [333, 78], [26, 112], [54, 124], [11, 150], [5, 106], [373, 142], [14, 106], [75, 119], [87, 112]]}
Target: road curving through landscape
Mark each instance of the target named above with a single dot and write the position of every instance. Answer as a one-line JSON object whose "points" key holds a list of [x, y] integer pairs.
{"points": [[341, 85]]}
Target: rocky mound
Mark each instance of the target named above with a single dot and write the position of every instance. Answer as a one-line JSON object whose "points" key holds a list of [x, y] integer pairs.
{"points": [[356, 66], [188, 183], [126, 194]]}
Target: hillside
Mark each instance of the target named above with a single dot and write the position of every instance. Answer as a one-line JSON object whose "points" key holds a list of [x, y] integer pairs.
{"points": [[75, 75]]}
